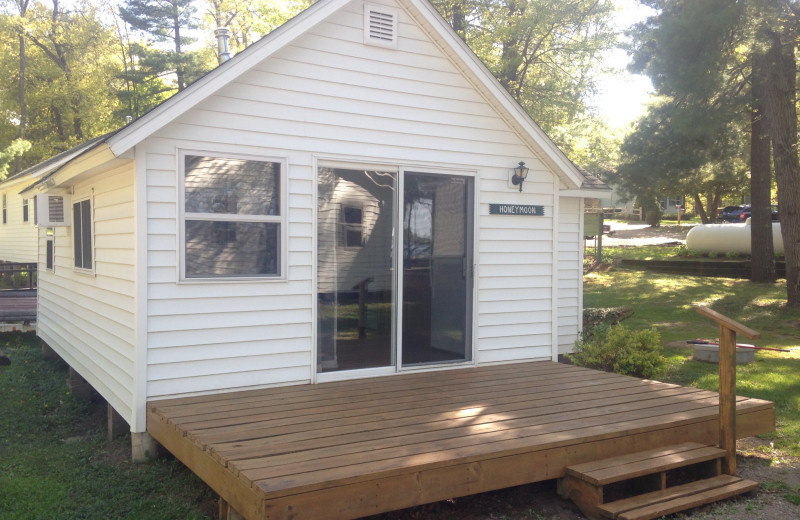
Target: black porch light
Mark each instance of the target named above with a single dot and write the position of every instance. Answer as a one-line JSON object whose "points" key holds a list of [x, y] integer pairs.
{"points": [[520, 174]]}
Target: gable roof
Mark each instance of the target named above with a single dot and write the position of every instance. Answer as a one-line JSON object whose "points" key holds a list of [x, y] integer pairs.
{"points": [[422, 11]]}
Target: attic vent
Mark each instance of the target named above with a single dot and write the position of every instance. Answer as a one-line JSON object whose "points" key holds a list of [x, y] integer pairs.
{"points": [[380, 26]]}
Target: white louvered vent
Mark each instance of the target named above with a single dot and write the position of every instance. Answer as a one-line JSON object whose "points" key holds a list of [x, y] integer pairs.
{"points": [[53, 210], [380, 26]]}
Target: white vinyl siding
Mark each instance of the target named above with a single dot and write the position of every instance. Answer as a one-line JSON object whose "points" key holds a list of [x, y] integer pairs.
{"points": [[88, 319], [570, 273], [328, 96], [18, 241]]}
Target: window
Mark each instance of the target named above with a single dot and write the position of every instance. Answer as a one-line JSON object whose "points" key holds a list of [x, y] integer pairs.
{"points": [[5, 212], [25, 210], [49, 251], [352, 219], [233, 217], [82, 233]]}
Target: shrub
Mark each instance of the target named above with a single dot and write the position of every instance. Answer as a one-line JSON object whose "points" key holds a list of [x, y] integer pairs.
{"points": [[622, 350], [732, 254], [653, 218]]}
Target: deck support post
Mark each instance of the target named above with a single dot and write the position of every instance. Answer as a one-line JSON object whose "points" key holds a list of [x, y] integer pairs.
{"points": [[727, 383], [48, 354], [78, 386], [143, 447]]}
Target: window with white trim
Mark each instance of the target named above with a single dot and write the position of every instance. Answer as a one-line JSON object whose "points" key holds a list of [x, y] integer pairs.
{"points": [[49, 249], [233, 218], [25, 212], [5, 210], [82, 233]]}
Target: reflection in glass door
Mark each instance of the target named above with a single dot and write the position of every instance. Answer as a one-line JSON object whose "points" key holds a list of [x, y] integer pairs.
{"points": [[437, 268], [355, 282]]}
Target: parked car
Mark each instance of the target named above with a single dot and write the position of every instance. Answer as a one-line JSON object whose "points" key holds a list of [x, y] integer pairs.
{"points": [[734, 213], [745, 214]]}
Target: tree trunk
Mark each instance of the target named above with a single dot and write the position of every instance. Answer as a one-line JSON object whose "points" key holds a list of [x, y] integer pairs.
{"points": [[23, 104], [700, 209], [179, 70], [762, 251], [781, 112]]}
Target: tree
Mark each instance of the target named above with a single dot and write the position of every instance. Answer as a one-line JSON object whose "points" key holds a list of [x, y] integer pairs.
{"points": [[249, 20], [702, 57], [14, 150], [167, 21], [780, 108], [68, 96], [544, 52]]}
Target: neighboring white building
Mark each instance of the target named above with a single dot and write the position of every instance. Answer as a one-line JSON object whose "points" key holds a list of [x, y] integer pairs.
{"points": [[17, 228], [331, 203]]}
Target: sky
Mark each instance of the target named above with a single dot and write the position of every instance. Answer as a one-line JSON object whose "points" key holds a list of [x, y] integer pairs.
{"points": [[622, 96]]}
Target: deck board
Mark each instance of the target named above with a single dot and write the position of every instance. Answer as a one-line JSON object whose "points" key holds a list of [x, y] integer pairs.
{"points": [[373, 445]]}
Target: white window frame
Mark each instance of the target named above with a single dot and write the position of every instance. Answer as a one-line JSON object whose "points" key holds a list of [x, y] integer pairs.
{"points": [[81, 269], [50, 238], [281, 220], [26, 211]]}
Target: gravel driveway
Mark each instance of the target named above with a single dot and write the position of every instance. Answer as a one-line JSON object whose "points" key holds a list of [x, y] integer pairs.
{"points": [[636, 234]]}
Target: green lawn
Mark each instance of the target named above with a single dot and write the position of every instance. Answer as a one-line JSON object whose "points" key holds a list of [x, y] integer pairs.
{"points": [[54, 460], [667, 303]]}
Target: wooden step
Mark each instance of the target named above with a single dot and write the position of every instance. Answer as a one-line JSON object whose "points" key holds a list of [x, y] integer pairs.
{"points": [[678, 498], [616, 469]]}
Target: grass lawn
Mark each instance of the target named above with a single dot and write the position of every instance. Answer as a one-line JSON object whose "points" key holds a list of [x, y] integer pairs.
{"points": [[667, 302], [56, 464]]}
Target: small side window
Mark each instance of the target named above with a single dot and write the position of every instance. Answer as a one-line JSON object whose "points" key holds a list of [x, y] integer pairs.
{"points": [[25, 213], [5, 209], [50, 250], [82, 233]]}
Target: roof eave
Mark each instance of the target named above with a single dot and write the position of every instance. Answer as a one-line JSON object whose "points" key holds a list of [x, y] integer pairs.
{"points": [[86, 162]]}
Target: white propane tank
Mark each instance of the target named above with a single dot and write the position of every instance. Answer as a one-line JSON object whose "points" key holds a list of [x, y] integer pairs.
{"points": [[728, 238]]}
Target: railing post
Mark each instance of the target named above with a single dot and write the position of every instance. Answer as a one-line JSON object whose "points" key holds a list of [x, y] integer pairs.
{"points": [[727, 383]]}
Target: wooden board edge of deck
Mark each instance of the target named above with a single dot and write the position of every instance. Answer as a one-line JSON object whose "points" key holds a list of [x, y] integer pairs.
{"points": [[421, 486], [233, 490]]}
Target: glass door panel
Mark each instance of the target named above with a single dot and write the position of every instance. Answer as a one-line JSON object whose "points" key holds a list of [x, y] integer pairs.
{"points": [[437, 268], [355, 281]]}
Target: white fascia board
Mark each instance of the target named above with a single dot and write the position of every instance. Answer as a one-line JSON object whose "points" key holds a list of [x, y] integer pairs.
{"points": [[204, 87], [506, 101], [594, 193]]}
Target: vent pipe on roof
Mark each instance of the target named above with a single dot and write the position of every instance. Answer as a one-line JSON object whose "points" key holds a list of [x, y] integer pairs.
{"points": [[222, 34]]}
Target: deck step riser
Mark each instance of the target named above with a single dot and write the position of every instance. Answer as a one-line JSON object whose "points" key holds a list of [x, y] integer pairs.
{"points": [[646, 473]]}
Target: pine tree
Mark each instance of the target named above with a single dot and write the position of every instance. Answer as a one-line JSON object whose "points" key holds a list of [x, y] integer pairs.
{"points": [[167, 21]]}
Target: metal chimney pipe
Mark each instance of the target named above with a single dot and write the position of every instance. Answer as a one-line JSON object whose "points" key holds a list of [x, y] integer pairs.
{"points": [[222, 34]]}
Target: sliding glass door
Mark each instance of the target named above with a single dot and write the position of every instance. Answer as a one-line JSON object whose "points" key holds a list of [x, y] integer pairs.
{"points": [[437, 268], [362, 222], [355, 269]]}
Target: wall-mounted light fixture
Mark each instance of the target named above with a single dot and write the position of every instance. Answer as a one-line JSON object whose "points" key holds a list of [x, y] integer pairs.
{"points": [[520, 174]]}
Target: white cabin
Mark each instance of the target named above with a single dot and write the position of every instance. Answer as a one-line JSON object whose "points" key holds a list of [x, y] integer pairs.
{"points": [[17, 228], [325, 205]]}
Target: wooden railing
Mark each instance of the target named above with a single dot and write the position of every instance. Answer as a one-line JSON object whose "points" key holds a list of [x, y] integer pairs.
{"points": [[727, 382], [17, 275]]}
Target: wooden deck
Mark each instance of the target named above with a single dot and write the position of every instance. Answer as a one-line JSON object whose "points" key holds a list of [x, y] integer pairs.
{"points": [[18, 310], [355, 448]]}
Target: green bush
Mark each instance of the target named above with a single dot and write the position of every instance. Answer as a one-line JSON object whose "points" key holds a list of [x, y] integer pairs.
{"points": [[623, 351], [653, 218]]}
